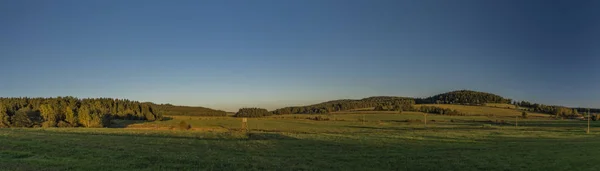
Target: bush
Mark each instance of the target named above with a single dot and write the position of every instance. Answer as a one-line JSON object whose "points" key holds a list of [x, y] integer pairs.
{"points": [[318, 118], [184, 125], [595, 117], [252, 112], [524, 114], [63, 124], [48, 124]]}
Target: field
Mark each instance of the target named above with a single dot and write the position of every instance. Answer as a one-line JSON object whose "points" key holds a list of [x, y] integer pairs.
{"points": [[375, 141]]}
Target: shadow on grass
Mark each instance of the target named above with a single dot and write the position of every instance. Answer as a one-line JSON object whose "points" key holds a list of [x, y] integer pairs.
{"points": [[179, 134], [122, 123]]}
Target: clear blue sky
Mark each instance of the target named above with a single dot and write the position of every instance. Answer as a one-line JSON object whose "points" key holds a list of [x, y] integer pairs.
{"points": [[231, 54]]}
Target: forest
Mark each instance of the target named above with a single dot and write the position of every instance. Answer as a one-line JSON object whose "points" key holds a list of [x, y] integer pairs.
{"points": [[402, 103], [173, 110], [464, 97], [71, 112], [252, 112]]}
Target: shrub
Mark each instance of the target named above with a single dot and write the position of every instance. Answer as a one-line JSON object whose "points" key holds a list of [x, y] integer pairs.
{"points": [[184, 125], [524, 114], [63, 124], [252, 112], [318, 118], [48, 124]]}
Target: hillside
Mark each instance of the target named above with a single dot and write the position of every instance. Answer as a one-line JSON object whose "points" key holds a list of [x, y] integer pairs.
{"points": [[173, 110], [466, 97], [348, 104]]}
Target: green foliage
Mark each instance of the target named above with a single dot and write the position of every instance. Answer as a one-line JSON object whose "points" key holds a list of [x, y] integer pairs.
{"points": [[318, 118], [379, 108], [524, 114], [85, 112], [558, 111], [595, 117], [70, 116], [464, 97], [63, 124], [85, 116], [252, 112], [438, 110], [4, 117], [26, 117], [342, 105], [168, 109]]}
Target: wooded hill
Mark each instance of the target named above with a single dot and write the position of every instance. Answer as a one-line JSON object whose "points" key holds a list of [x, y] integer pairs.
{"points": [[346, 104], [464, 97], [460, 97], [399, 103], [173, 110]]}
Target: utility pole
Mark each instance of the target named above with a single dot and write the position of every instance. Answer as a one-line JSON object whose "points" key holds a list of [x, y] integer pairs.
{"points": [[245, 124], [363, 119], [425, 120], [589, 116]]}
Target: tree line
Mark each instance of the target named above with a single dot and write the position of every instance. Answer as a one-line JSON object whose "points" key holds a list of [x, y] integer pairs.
{"points": [[172, 110], [464, 97], [558, 111], [252, 112], [71, 112], [346, 104]]}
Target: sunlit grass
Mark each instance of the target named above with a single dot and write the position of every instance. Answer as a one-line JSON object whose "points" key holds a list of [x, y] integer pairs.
{"points": [[382, 141]]}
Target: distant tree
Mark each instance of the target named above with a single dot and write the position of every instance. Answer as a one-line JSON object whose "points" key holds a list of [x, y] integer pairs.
{"points": [[397, 108], [85, 116], [524, 114], [379, 108], [70, 116], [49, 115], [252, 112], [4, 117], [26, 117]]}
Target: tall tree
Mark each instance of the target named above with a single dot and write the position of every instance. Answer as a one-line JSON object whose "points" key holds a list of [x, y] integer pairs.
{"points": [[4, 117], [70, 116]]}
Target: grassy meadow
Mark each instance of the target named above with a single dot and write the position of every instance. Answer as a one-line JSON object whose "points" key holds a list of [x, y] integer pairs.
{"points": [[365, 141]]}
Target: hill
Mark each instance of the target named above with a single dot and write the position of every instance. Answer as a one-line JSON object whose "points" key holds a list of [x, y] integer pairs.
{"points": [[348, 104], [173, 110], [465, 97]]}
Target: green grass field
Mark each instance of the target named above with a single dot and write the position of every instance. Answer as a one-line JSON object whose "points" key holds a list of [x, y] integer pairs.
{"points": [[381, 141]]}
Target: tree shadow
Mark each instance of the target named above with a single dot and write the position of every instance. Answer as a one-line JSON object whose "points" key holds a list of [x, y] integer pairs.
{"points": [[123, 123]]}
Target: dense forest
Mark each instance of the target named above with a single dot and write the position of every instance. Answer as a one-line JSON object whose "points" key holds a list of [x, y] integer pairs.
{"points": [[464, 97], [252, 112], [71, 112], [401, 103], [172, 110]]}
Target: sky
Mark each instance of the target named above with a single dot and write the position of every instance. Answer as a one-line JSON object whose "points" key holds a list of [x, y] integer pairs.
{"points": [[228, 54]]}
